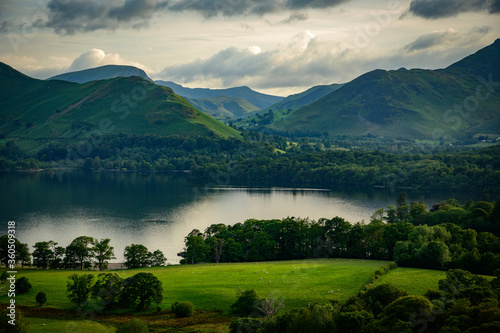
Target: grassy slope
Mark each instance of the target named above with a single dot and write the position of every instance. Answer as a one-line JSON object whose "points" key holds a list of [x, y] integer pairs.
{"points": [[67, 111], [214, 287], [409, 104], [223, 106]]}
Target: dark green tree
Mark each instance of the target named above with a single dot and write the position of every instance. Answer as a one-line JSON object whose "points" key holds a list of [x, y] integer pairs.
{"points": [[23, 285], [42, 255], [81, 250], [141, 290], [107, 289], [79, 288], [41, 298], [136, 255], [102, 253], [21, 323]]}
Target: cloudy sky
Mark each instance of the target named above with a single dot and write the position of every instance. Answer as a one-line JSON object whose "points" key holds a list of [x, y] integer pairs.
{"points": [[277, 47]]}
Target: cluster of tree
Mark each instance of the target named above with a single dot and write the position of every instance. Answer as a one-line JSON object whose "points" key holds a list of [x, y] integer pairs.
{"points": [[110, 290], [83, 252], [261, 157], [463, 303], [390, 235]]}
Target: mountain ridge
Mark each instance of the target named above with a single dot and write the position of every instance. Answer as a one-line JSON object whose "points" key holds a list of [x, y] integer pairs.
{"points": [[38, 112], [101, 73], [416, 104]]}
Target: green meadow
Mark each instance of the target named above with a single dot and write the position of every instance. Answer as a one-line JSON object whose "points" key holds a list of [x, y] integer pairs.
{"points": [[214, 287]]}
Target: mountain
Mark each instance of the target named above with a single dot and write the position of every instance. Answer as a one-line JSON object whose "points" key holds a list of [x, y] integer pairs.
{"points": [[299, 100], [37, 112], [260, 100], [417, 103], [223, 107], [101, 73]]}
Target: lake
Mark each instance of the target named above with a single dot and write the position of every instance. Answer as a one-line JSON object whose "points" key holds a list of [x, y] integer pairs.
{"points": [[159, 209]]}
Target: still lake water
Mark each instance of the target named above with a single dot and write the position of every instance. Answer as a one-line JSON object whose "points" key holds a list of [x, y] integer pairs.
{"points": [[159, 210]]}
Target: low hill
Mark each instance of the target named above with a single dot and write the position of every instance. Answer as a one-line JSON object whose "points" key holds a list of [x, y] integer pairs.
{"points": [[260, 100], [37, 112], [416, 104], [101, 73]]}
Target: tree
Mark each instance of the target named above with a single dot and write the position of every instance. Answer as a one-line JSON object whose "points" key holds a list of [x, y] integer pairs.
{"points": [[412, 310], [141, 290], [24, 255], [79, 249], [270, 306], [21, 323], [41, 298], [107, 289], [79, 287], [102, 253], [157, 258], [245, 304], [402, 209], [42, 255], [5, 241], [23, 285], [136, 255], [196, 249], [57, 260]]}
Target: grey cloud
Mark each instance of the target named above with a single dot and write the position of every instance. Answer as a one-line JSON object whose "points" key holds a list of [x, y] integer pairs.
{"points": [[295, 17], [211, 8], [434, 9], [445, 38], [304, 4], [69, 17]]}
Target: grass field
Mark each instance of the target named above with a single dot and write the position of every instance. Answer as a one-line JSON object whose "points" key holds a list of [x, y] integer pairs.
{"points": [[212, 287], [415, 281]]}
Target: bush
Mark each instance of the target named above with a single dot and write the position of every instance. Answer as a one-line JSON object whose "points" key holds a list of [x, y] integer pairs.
{"points": [[245, 304], [183, 309], [22, 325], [4, 276], [241, 325], [134, 326], [41, 298], [23, 285]]}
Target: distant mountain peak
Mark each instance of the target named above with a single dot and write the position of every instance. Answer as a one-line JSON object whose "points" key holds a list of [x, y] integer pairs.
{"points": [[101, 73]]}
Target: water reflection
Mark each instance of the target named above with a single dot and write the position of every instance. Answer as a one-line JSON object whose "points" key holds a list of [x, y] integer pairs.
{"points": [[159, 210]]}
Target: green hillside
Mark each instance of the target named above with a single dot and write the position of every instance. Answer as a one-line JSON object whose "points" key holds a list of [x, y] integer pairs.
{"points": [[309, 96], [223, 107], [37, 112], [101, 73], [214, 287], [408, 103], [211, 287], [253, 97]]}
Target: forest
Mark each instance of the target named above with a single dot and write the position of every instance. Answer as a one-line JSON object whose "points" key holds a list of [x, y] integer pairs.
{"points": [[360, 161], [448, 236]]}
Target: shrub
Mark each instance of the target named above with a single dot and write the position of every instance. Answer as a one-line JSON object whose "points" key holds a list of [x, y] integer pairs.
{"points": [[22, 325], [4, 276], [134, 326], [23, 285], [41, 298], [245, 304], [245, 325], [183, 309]]}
